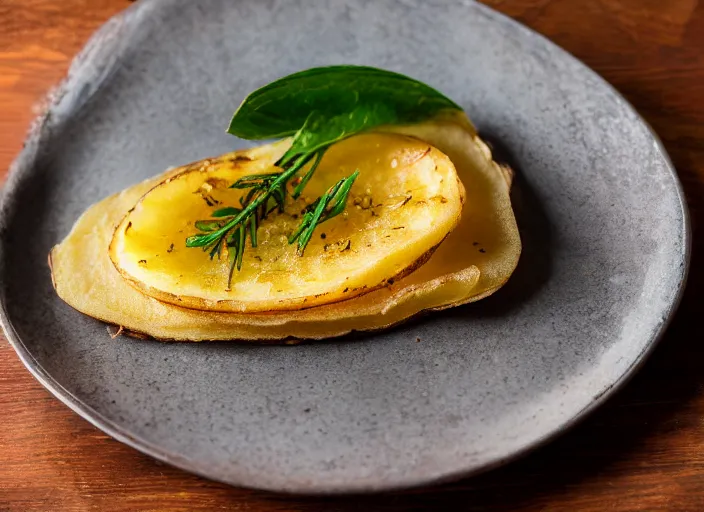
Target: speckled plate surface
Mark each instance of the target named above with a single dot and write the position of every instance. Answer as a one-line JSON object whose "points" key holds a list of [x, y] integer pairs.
{"points": [[601, 213]]}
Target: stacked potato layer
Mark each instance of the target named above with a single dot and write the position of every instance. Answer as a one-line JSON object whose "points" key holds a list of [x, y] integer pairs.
{"points": [[428, 225]]}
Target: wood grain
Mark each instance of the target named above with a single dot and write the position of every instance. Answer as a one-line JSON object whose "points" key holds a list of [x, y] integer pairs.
{"points": [[643, 451]]}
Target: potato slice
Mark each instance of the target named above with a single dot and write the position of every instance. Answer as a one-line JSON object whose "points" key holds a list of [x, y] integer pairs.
{"points": [[405, 201], [458, 272]]}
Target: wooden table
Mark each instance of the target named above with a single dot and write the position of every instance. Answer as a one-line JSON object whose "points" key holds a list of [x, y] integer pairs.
{"points": [[643, 451]]}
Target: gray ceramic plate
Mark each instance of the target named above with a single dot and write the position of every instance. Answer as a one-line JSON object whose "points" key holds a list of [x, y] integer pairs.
{"points": [[600, 209]]}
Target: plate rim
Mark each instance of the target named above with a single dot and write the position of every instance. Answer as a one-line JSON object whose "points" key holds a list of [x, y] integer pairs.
{"points": [[52, 117]]}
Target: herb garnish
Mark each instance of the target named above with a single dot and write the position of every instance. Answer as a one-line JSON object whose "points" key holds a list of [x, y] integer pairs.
{"points": [[318, 107]]}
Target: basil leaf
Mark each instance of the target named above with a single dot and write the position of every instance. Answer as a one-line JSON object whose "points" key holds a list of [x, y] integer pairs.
{"points": [[283, 107], [320, 131]]}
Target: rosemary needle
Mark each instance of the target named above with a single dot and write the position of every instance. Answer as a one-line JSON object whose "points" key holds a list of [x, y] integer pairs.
{"points": [[231, 225]]}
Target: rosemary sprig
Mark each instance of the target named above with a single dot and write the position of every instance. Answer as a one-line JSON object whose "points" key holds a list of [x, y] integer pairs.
{"points": [[306, 178], [230, 226], [263, 188], [327, 206]]}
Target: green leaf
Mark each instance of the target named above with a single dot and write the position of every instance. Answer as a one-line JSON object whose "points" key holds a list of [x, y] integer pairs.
{"points": [[207, 225], [309, 174], [320, 130], [339, 198], [216, 250], [284, 106], [253, 230], [255, 180], [228, 211]]}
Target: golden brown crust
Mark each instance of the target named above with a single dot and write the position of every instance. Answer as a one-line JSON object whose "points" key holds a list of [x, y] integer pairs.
{"points": [[239, 307], [138, 318], [200, 305], [295, 341]]}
